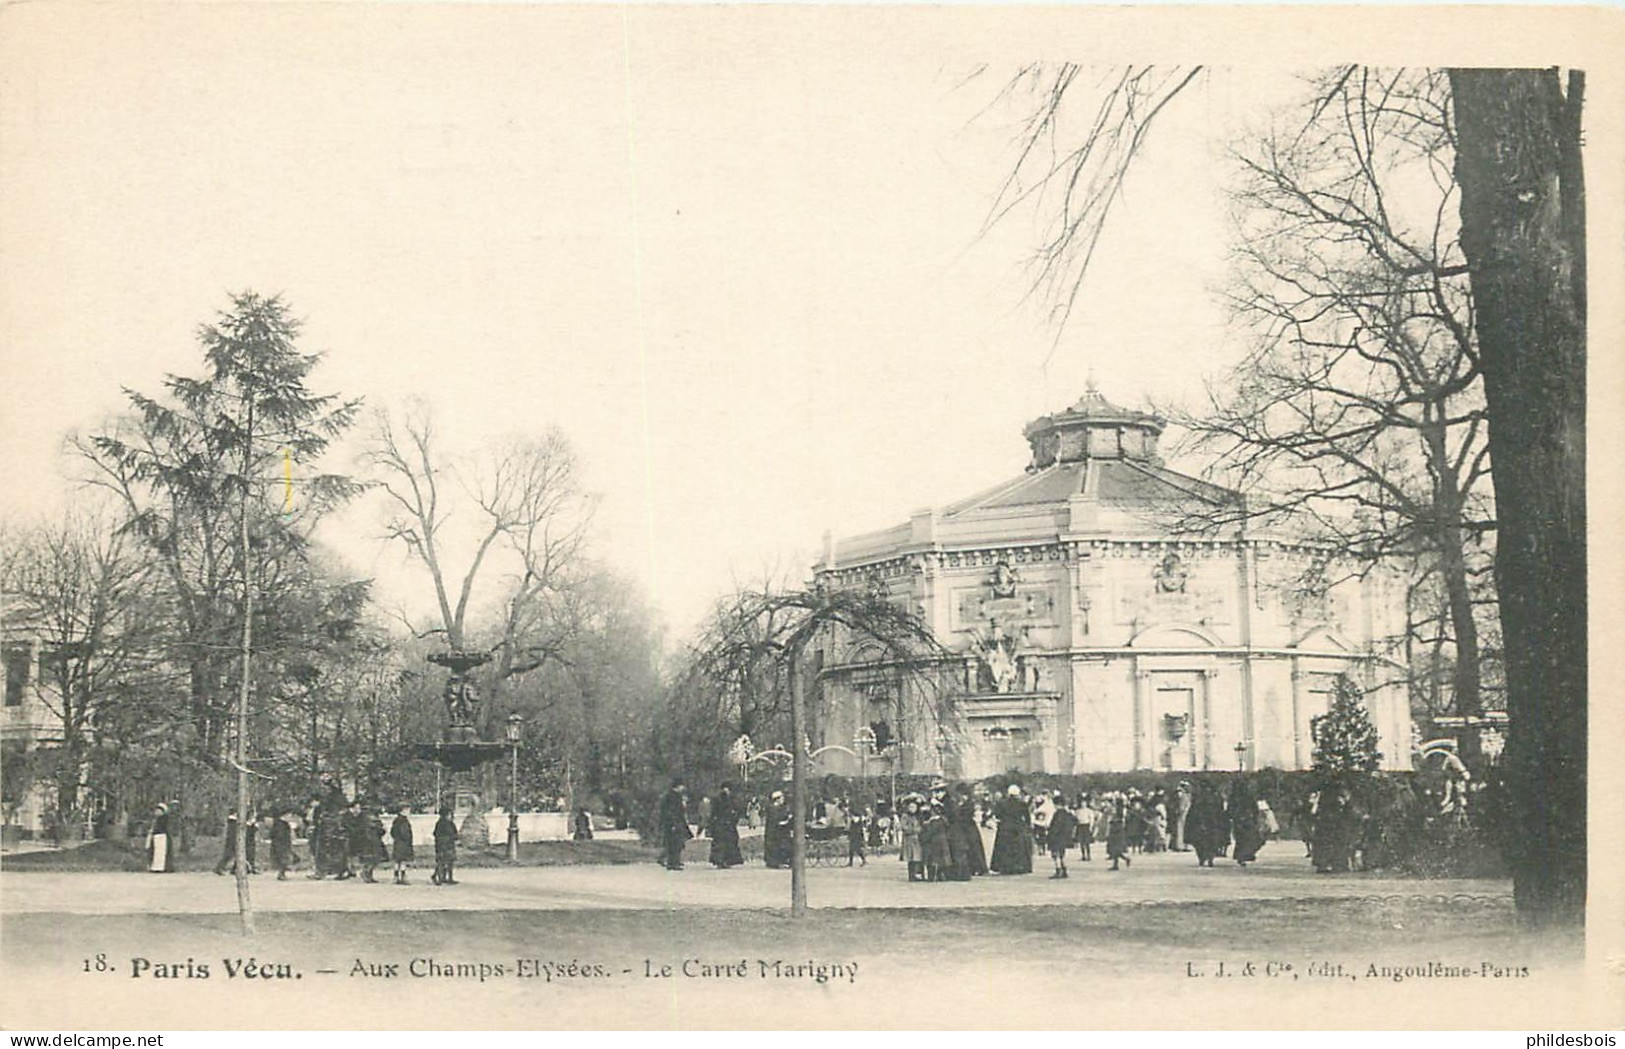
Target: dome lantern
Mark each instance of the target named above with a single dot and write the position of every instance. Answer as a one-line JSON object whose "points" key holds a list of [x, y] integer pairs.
{"points": [[1093, 428]]}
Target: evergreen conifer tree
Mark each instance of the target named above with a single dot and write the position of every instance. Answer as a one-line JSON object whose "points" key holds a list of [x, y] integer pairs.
{"points": [[1345, 740]]}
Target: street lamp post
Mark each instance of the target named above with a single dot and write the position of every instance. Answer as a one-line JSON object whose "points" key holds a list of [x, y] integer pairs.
{"points": [[863, 741], [516, 722], [1241, 757]]}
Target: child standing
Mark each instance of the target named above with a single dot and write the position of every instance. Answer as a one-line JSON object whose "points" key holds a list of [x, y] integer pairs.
{"points": [[1063, 827], [1117, 835], [911, 854], [400, 844], [934, 843], [856, 827]]}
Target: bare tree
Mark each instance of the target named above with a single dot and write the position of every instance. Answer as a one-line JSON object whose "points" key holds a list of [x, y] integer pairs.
{"points": [[1357, 413], [81, 590], [755, 655], [1071, 161], [1518, 141], [516, 513]]}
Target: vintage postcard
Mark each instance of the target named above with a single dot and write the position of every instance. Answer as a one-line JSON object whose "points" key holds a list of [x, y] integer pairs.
{"points": [[837, 517]]}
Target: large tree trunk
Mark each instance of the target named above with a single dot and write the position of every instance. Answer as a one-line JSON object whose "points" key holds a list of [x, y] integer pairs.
{"points": [[1517, 163]]}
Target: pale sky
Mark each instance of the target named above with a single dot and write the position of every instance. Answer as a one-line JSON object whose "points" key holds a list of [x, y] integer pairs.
{"points": [[735, 259]]}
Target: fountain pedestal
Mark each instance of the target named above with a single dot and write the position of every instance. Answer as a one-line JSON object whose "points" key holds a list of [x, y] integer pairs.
{"points": [[460, 749]]}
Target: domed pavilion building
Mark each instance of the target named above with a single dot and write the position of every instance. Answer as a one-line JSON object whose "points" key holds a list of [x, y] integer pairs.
{"points": [[1091, 625]]}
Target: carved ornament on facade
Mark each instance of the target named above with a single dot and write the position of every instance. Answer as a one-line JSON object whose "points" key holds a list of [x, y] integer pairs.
{"points": [[1004, 580], [1171, 574], [996, 652]]}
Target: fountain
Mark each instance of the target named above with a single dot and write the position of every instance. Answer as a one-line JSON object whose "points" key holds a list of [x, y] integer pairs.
{"points": [[461, 750]]}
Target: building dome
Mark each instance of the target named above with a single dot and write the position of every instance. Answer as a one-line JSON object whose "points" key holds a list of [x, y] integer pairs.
{"points": [[1093, 428], [1101, 612]]}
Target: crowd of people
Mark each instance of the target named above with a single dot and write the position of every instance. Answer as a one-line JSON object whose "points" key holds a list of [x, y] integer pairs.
{"points": [[939, 832], [347, 839]]}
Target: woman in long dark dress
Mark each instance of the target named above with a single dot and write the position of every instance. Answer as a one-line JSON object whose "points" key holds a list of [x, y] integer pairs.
{"points": [[1207, 828], [776, 833], [282, 845], [723, 831], [1335, 832], [970, 834], [1013, 841], [1244, 825]]}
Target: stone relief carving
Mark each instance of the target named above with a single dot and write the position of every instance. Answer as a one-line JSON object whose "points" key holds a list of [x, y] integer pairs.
{"points": [[997, 651], [1171, 574], [1004, 580]]}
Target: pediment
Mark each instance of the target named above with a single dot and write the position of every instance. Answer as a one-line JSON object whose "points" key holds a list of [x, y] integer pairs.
{"points": [[1324, 639], [1175, 635]]}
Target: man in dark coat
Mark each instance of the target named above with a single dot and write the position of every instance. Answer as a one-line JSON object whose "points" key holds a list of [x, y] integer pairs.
{"points": [[674, 828], [724, 831], [445, 849], [934, 846], [318, 844], [400, 844], [228, 848], [1013, 840], [335, 835], [282, 845], [359, 843]]}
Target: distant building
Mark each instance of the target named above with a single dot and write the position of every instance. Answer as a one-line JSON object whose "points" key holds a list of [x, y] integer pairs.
{"points": [[1092, 630], [27, 725]]}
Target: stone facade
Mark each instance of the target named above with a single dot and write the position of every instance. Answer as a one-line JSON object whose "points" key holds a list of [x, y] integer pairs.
{"points": [[26, 723], [1092, 626]]}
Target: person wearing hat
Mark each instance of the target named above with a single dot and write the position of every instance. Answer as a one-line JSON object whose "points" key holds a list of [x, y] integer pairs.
{"points": [[1179, 816], [358, 850], [913, 856], [674, 828], [1063, 828], [965, 838], [1013, 840], [934, 846], [400, 844], [857, 827], [1117, 834], [445, 849], [724, 831], [1041, 815], [160, 859], [1209, 825], [1086, 824]]}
